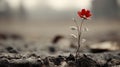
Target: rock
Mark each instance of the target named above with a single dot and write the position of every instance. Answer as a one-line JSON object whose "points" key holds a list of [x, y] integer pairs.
{"points": [[108, 45], [52, 49], [32, 55], [3, 36], [57, 38], [11, 49], [4, 62], [98, 50], [70, 58], [59, 60], [86, 62], [71, 64], [111, 59]]}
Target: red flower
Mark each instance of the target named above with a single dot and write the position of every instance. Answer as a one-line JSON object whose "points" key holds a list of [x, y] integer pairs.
{"points": [[85, 14]]}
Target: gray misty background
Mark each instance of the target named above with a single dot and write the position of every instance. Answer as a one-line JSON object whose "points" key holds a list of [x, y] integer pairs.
{"points": [[41, 20]]}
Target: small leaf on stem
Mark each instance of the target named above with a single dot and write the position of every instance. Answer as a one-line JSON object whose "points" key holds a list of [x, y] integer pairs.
{"points": [[74, 19], [73, 27], [73, 35], [83, 40], [85, 29]]}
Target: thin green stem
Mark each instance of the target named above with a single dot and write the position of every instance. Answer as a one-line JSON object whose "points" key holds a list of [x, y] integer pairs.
{"points": [[79, 37]]}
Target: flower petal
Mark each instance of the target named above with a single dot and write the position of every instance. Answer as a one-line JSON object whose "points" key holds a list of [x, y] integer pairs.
{"points": [[83, 11]]}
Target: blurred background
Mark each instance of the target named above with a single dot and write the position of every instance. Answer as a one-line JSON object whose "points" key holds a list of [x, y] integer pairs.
{"points": [[41, 21]]}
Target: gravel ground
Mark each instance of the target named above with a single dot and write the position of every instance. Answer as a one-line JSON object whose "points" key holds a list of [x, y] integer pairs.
{"points": [[30, 45]]}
